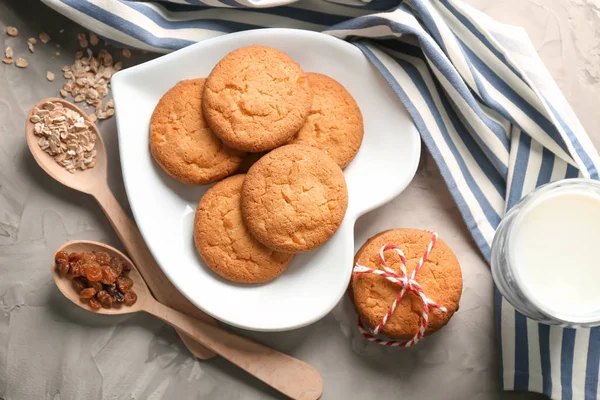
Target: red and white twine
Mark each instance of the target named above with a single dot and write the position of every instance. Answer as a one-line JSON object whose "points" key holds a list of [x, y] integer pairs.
{"points": [[407, 284]]}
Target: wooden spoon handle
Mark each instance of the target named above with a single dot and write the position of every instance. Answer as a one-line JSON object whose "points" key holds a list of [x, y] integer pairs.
{"points": [[160, 286], [289, 375]]}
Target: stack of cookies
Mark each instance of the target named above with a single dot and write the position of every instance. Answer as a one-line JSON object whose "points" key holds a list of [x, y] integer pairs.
{"points": [[287, 134]]}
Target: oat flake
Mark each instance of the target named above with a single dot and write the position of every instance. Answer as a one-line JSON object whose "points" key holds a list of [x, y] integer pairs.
{"points": [[65, 135], [44, 37], [12, 31], [21, 62]]}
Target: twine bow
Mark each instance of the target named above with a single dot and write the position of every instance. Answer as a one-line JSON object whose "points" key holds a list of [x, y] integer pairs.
{"points": [[407, 284]]}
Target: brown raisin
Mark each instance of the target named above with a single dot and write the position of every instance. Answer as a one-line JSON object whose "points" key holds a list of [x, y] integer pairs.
{"points": [[62, 267], [102, 258], [108, 276], [93, 273], [94, 304], [118, 296], [76, 270], [74, 257], [78, 284], [105, 299], [87, 293], [117, 266], [61, 256], [111, 289], [88, 257], [124, 283], [130, 298], [96, 285]]}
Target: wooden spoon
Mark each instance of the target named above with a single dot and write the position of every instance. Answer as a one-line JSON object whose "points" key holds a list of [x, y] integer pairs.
{"points": [[94, 182], [290, 376]]}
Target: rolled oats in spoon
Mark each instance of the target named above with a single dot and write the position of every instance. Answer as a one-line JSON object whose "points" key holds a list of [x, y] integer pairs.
{"points": [[65, 135]]}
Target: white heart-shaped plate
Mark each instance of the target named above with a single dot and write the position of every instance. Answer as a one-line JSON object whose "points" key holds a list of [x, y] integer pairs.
{"points": [[164, 209]]}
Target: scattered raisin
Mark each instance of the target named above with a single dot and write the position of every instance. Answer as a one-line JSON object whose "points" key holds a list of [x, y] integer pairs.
{"points": [[96, 285], [61, 256], [117, 266], [118, 296], [93, 273], [108, 276], [87, 293], [130, 298], [78, 284], [76, 270], [126, 266], [124, 283], [74, 257], [105, 299], [88, 257], [102, 258], [94, 304], [62, 267]]}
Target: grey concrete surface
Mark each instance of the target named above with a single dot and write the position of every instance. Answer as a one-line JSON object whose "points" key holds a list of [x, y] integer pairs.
{"points": [[50, 349]]}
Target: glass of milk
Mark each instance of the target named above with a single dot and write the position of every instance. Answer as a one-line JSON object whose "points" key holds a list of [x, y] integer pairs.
{"points": [[546, 254]]}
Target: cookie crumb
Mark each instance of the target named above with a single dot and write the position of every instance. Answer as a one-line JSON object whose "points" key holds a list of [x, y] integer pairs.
{"points": [[50, 76], [21, 62], [44, 37], [12, 31]]}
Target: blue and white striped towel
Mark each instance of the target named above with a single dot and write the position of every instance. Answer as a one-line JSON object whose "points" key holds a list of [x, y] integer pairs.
{"points": [[485, 105]]}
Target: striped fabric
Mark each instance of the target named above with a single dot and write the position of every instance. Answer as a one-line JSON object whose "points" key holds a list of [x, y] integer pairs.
{"points": [[486, 107]]}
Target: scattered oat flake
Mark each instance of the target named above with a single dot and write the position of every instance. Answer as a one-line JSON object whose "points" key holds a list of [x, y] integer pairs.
{"points": [[61, 31], [7, 60], [32, 40], [44, 37], [94, 39], [50, 76], [30, 47], [8, 52], [57, 53], [92, 117], [126, 53], [88, 80], [12, 31], [21, 62]]}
